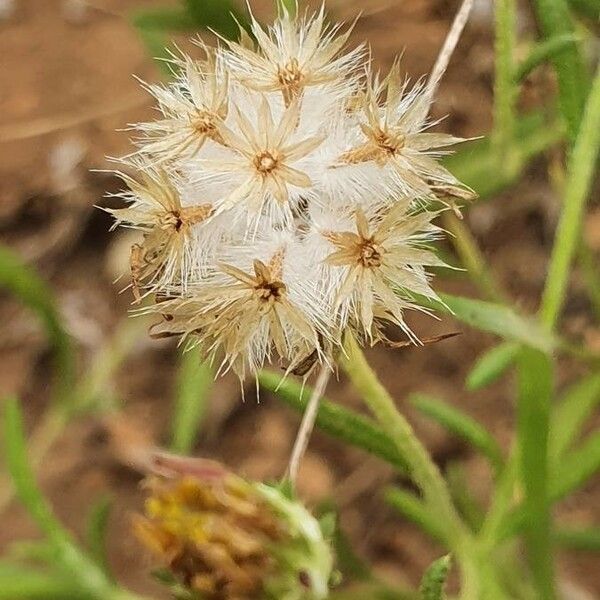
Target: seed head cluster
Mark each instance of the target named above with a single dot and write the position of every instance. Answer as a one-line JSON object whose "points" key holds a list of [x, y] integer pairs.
{"points": [[285, 196]]}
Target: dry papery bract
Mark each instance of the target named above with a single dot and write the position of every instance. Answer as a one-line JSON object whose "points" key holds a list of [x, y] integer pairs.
{"points": [[225, 538], [286, 196]]}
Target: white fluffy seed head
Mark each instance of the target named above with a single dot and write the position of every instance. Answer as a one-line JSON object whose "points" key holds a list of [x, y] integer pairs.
{"points": [[285, 199]]}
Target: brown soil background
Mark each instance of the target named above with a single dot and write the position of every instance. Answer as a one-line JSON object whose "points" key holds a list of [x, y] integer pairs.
{"points": [[65, 87]]}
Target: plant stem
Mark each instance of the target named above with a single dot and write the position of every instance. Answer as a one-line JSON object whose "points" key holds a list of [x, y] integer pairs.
{"points": [[441, 63], [308, 423], [505, 89], [471, 258], [422, 468], [535, 376], [40, 442], [577, 188]]}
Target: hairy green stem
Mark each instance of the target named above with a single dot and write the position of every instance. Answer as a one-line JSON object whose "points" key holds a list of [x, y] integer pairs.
{"points": [[505, 89], [422, 469]]}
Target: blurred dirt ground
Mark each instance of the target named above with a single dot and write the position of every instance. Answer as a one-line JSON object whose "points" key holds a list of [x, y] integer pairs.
{"points": [[66, 85]]}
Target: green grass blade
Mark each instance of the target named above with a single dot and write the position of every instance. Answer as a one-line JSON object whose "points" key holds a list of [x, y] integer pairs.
{"points": [[335, 420], [542, 52], [414, 509], [535, 391], [434, 580], [569, 416], [24, 283], [84, 571], [585, 539], [491, 365], [573, 80], [96, 533], [194, 383], [580, 176], [461, 425]]}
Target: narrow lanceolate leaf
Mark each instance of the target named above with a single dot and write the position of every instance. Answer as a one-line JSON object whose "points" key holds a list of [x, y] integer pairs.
{"points": [[18, 582], [569, 416], [498, 319], [413, 508], [491, 365], [535, 392], [83, 571], [474, 163], [544, 51], [342, 423], [461, 425], [24, 283], [163, 19], [96, 533], [289, 5], [577, 467], [432, 584], [221, 16], [587, 8], [580, 176], [555, 20], [585, 539], [194, 383]]}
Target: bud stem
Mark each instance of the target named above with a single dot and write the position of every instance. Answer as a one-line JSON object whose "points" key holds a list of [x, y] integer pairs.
{"points": [[308, 423]]}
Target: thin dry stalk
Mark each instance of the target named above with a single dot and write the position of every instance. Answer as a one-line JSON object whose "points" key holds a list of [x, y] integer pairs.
{"points": [[308, 423]]}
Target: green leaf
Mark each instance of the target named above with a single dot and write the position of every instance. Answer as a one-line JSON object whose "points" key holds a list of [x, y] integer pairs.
{"points": [[372, 591], [24, 283], [83, 571], [156, 42], [432, 584], [415, 510], [461, 425], [221, 16], [339, 422], [496, 318], [535, 392], [577, 467], [580, 177], [543, 51], [467, 505], [585, 539], [555, 21], [569, 416], [163, 19], [194, 383], [18, 582], [587, 8], [291, 6], [491, 365], [96, 533], [473, 164], [505, 88], [348, 562]]}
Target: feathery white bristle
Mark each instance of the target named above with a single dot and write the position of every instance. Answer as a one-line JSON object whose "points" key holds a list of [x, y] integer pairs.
{"points": [[284, 195]]}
